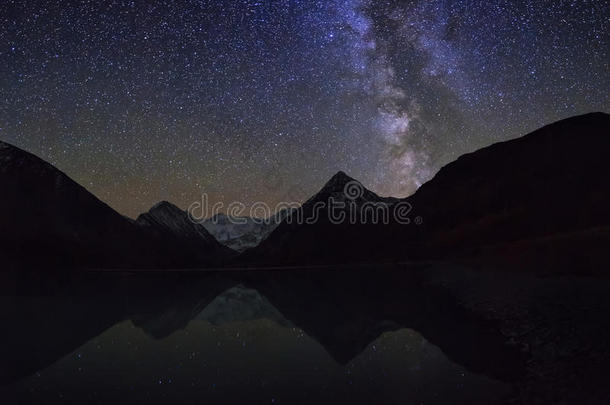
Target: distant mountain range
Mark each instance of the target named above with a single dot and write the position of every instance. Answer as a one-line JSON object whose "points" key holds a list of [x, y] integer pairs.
{"points": [[540, 200], [241, 233]]}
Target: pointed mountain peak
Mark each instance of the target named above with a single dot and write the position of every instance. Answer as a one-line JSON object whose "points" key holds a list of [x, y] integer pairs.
{"points": [[165, 206], [341, 176], [338, 182], [168, 217], [341, 186], [164, 212]]}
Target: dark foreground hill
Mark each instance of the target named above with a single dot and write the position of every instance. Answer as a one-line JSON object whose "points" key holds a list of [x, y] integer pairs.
{"points": [[48, 220], [541, 199]]}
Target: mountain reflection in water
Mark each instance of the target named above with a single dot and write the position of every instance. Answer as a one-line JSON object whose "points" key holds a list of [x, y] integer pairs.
{"points": [[290, 337]]}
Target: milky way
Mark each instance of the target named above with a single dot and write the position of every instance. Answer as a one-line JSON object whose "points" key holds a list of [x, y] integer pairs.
{"points": [[142, 101]]}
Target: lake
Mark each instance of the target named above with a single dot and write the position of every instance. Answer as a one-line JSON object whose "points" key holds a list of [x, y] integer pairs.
{"points": [[268, 337]]}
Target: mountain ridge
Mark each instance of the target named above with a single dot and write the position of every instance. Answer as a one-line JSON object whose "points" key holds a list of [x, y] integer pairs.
{"points": [[549, 182], [50, 221], [509, 191]]}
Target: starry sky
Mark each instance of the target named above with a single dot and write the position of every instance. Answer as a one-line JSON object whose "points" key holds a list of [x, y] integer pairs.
{"points": [[264, 100]]}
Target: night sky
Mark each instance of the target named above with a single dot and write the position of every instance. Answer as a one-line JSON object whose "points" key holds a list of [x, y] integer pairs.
{"points": [[260, 100]]}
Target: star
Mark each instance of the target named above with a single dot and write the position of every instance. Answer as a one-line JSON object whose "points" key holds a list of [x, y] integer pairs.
{"points": [[144, 102]]}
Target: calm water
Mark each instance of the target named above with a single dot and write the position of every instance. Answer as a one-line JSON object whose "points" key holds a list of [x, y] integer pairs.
{"points": [[294, 337]]}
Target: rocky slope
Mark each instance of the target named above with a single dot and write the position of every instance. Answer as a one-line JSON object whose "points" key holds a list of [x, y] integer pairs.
{"points": [[183, 234]]}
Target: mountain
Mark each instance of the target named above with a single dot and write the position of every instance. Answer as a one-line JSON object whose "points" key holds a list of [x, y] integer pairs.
{"points": [[541, 198], [239, 304], [50, 221], [327, 227], [240, 233], [538, 200], [185, 235]]}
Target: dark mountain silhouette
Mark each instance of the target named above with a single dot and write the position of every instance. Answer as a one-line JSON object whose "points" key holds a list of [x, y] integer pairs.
{"points": [[539, 199], [325, 226], [49, 221], [192, 240]]}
